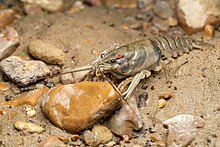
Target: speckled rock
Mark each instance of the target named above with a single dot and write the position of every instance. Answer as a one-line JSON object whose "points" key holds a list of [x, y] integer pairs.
{"points": [[46, 52], [103, 133], [23, 72], [90, 138], [182, 129], [162, 9], [126, 120], [9, 41], [194, 15], [99, 135], [77, 107], [7, 16]]}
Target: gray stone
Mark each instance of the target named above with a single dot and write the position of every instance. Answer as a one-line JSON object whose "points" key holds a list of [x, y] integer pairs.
{"points": [[9, 41], [46, 52], [162, 9], [23, 72]]}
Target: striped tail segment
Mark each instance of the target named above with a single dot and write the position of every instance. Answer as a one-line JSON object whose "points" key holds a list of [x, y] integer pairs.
{"points": [[176, 45]]}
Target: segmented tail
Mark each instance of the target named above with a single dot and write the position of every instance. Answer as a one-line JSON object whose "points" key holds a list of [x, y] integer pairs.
{"points": [[176, 45]]}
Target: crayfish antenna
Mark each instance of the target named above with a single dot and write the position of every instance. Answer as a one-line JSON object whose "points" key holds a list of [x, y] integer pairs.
{"points": [[72, 71], [77, 70]]}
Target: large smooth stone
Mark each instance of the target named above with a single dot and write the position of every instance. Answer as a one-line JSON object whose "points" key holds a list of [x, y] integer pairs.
{"points": [[77, 107]]}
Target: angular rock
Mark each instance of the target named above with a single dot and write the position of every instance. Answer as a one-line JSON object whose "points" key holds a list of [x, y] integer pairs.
{"points": [[182, 129], [7, 16], [194, 15], [23, 72], [9, 41], [46, 52], [126, 120], [162, 9], [77, 107]]}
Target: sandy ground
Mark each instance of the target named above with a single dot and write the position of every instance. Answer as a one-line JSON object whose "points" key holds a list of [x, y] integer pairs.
{"points": [[195, 85]]}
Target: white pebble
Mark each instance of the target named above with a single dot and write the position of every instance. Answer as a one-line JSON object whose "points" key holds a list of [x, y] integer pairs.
{"points": [[30, 127]]}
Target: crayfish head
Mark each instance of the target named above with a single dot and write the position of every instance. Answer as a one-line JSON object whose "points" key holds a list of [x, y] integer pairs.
{"points": [[103, 68]]}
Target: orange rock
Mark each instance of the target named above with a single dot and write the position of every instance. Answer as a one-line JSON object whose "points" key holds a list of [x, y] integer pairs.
{"points": [[208, 31], [166, 96], [4, 87], [29, 98], [79, 106]]}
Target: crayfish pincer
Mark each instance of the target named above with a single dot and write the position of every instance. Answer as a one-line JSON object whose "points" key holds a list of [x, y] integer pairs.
{"points": [[138, 58]]}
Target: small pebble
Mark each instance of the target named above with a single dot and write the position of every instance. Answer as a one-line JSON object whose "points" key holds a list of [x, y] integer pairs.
{"points": [[161, 103], [9, 97], [208, 31], [161, 143], [30, 112], [2, 112], [152, 88], [75, 137], [125, 138], [152, 130], [165, 96], [137, 26], [103, 133], [30, 127], [172, 21], [141, 102], [162, 9], [154, 137], [90, 138], [110, 144]]}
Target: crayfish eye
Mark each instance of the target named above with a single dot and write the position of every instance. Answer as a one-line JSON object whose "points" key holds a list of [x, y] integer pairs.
{"points": [[102, 55], [112, 61]]}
